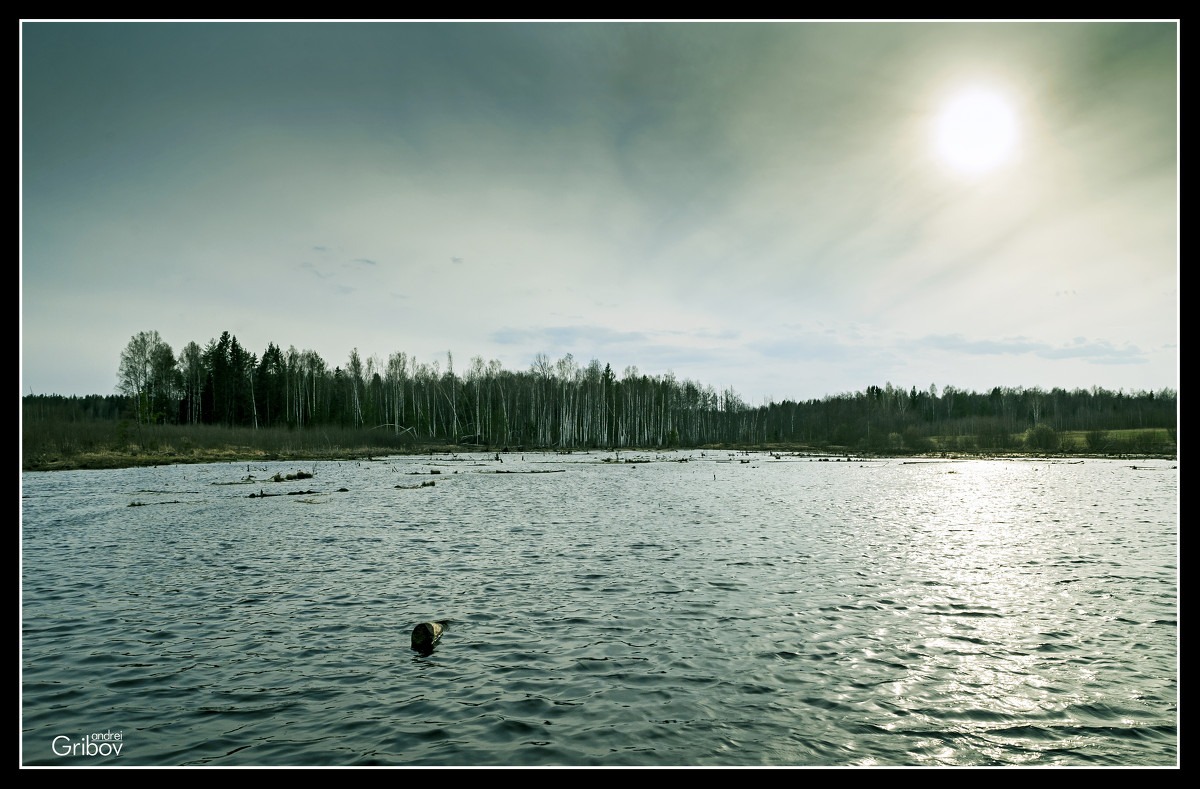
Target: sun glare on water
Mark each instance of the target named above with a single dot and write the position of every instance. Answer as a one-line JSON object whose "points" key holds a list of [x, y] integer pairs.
{"points": [[976, 131]]}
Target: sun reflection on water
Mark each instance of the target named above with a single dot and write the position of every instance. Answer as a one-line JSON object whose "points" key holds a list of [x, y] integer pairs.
{"points": [[994, 605]]}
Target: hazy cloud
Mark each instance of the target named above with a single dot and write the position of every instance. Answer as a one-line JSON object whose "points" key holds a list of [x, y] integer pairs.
{"points": [[1097, 352], [310, 267], [553, 337], [752, 204]]}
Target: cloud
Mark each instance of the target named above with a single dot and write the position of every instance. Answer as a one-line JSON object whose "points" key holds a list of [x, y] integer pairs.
{"points": [[1097, 352], [560, 337], [806, 350], [310, 267]]}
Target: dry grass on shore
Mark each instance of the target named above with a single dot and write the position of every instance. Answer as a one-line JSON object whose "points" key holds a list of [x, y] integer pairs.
{"points": [[134, 456], [49, 445]]}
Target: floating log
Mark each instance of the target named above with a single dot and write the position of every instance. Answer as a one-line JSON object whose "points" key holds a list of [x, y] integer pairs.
{"points": [[426, 635], [289, 477]]}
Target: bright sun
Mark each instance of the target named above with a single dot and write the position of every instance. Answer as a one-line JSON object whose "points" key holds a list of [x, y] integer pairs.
{"points": [[976, 131]]}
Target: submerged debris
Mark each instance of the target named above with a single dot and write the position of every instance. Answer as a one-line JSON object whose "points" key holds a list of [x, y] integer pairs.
{"points": [[426, 635], [426, 484], [289, 477]]}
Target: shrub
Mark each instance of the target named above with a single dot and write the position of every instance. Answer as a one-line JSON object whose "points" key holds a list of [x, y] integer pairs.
{"points": [[914, 441], [1041, 438]]}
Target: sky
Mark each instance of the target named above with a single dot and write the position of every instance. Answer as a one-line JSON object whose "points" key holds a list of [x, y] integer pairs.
{"points": [[791, 209]]}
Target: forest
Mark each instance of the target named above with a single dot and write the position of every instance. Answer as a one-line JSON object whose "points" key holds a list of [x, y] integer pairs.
{"points": [[562, 404]]}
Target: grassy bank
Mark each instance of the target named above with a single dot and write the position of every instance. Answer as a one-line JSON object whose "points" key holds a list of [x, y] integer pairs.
{"points": [[101, 444]]}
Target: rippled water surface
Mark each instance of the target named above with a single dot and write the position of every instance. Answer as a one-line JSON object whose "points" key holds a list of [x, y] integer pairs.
{"points": [[694, 609]]}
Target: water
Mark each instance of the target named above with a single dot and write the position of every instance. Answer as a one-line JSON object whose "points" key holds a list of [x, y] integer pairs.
{"points": [[698, 612]]}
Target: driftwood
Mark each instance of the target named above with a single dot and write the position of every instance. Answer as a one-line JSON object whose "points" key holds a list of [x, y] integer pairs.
{"points": [[289, 477]]}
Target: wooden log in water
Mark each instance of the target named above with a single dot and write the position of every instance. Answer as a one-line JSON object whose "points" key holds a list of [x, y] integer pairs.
{"points": [[426, 635]]}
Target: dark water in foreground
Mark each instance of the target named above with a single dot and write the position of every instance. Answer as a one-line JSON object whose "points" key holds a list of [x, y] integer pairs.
{"points": [[709, 612]]}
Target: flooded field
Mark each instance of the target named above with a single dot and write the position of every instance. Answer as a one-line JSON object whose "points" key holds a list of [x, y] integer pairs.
{"points": [[692, 608]]}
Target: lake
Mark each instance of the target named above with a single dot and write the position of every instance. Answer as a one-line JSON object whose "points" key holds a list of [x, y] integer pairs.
{"points": [[690, 609]]}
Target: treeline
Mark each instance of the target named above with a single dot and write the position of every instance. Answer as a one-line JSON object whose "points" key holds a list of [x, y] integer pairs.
{"points": [[562, 404], [1003, 418], [553, 404]]}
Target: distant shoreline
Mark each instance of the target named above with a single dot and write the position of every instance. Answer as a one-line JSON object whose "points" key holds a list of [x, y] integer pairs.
{"points": [[111, 459]]}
